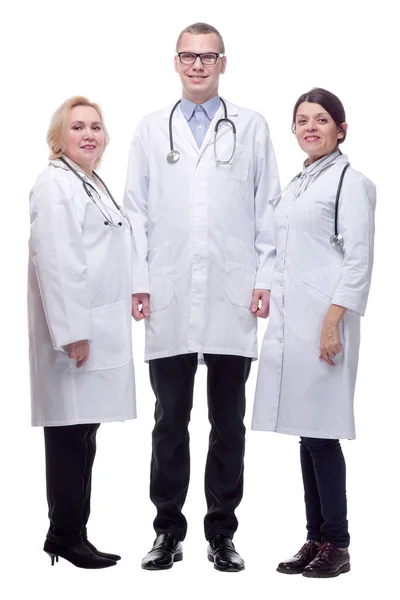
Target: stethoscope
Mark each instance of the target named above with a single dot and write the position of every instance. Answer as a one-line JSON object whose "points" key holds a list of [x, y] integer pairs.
{"points": [[174, 155], [336, 240], [89, 189]]}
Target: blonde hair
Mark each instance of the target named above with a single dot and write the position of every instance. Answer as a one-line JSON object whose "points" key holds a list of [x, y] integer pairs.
{"points": [[199, 29], [57, 133]]}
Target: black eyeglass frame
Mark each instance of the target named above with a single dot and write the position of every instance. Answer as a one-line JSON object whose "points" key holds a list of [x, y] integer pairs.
{"points": [[199, 55]]}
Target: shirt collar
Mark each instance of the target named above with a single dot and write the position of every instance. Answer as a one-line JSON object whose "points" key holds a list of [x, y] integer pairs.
{"points": [[210, 107]]}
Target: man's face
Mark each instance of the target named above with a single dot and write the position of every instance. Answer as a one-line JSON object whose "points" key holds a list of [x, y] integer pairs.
{"points": [[200, 82]]}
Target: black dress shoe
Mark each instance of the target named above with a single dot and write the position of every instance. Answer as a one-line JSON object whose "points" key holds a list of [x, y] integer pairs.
{"points": [[329, 562], [102, 554], [166, 550], [222, 553], [78, 554], [299, 561]]}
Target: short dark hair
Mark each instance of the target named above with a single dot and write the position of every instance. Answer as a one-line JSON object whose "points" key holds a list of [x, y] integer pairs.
{"points": [[329, 102], [201, 28]]}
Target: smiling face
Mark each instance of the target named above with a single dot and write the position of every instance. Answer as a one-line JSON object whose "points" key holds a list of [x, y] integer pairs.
{"points": [[85, 137], [200, 82], [316, 131]]}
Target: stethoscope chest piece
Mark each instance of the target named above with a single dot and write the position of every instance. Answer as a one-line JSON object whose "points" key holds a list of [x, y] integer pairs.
{"points": [[173, 156], [336, 240]]}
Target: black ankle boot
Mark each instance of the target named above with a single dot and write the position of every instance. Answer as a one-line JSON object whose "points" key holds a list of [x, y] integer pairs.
{"points": [[77, 554], [102, 554]]}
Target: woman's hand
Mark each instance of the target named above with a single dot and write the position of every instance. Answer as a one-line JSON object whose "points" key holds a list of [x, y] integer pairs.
{"points": [[79, 351], [330, 343]]}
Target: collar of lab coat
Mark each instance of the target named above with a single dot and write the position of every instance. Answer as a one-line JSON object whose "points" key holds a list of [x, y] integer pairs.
{"points": [[180, 123], [322, 163], [60, 165]]}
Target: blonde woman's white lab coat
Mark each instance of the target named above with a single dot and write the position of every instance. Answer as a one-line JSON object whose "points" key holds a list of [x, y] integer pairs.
{"points": [[199, 232], [297, 392], [78, 288]]}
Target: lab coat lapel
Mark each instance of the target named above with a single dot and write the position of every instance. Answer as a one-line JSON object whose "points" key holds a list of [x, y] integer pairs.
{"points": [[180, 124]]}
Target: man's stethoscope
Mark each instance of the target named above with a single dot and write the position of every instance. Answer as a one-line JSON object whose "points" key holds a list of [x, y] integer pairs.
{"points": [[90, 189], [174, 155]]}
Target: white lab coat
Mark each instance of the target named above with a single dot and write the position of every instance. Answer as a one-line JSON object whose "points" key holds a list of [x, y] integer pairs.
{"points": [[297, 392], [199, 232], [79, 286]]}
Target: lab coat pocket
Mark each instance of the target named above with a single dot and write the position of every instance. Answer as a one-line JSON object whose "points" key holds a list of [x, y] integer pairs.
{"points": [[160, 256], [310, 299], [238, 251], [239, 283], [110, 345], [161, 290], [323, 280], [238, 170], [240, 272]]}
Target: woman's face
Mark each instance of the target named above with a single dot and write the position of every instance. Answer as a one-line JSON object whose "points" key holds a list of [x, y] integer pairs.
{"points": [[85, 140], [316, 131]]}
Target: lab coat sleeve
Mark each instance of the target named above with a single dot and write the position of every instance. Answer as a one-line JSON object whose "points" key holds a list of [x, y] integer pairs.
{"points": [[57, 251], [135, 208], [266, 188], [356, 224]]}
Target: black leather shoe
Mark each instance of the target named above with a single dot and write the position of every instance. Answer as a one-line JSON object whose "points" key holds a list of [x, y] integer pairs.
{"points": [[166, 550], [222, 553], [102, 554], [77, 554], [299, 561], [329, 562]]}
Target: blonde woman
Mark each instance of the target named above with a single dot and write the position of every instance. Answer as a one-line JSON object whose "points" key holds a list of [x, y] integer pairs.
{"points": [[79, 303]]}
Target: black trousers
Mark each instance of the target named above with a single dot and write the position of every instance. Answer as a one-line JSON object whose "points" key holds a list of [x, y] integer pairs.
{"points": [[324, 477], [70, 451], [172, 380]]}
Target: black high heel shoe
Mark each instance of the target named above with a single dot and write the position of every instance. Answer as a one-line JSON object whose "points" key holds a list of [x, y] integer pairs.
{"points": [[78, 554], [102, 554]]}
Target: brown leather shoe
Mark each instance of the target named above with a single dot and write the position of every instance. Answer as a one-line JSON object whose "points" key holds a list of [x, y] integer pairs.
{"points": [[329, 562], [166, 550], [297, 564], [222, 553]]}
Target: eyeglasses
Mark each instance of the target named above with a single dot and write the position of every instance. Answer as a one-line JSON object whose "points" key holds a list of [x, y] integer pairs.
{"points": [[207, 58]]}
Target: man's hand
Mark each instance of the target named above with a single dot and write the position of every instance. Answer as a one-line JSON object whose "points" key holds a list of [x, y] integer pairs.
{"points": [[79, 351], [260, 303], [140, 306]]}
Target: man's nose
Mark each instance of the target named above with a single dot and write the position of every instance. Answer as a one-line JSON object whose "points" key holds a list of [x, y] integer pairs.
{"points": [[197, 63]]}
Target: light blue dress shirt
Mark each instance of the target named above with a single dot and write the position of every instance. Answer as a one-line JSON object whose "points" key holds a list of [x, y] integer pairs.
{"points": [[199, 116]]}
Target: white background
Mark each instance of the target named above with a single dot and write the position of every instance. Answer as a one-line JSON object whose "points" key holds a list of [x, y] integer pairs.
{"points": [[121, 55]]}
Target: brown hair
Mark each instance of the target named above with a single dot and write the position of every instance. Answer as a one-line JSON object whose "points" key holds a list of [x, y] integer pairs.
{"points": [[199, 29], [59, 124]]}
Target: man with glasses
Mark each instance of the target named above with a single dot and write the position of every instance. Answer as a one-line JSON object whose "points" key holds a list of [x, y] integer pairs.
{"points": [[200, 178]]}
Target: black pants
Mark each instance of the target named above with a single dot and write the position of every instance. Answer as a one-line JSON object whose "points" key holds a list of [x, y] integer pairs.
{"points": [[324, 477], [70, 452], [172, 380]]}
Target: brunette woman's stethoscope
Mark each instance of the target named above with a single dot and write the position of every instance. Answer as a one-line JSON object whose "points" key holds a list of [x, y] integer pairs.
{"points": [[90, 189], [336, 240], [174, 155]]}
